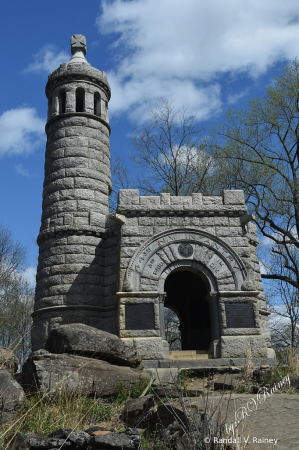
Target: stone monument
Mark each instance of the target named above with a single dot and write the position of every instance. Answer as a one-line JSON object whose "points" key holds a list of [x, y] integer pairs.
{"points": [[116, 271]]}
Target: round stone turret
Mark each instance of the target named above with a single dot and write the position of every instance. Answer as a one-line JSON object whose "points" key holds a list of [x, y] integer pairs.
{"points": [[75, 198]]}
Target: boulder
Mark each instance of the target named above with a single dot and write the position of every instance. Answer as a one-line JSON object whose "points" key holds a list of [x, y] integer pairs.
{"points": [[295, 383], [20, 441], [138, 411], [12, 396], [172, 438], [8, 360], [226, 382], [129, 439], [84, 340], [72, 373], [166, 414]]}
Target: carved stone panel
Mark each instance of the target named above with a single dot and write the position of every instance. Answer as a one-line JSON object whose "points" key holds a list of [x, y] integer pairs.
{"points": [[161, 251]]}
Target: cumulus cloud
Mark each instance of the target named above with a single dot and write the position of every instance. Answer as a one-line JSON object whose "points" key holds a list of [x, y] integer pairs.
{"points": [[30, 274], [21, 130], [181, 49], [47, 60], [20, 169]]}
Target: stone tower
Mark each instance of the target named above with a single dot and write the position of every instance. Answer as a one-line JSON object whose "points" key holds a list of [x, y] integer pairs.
{"points": [[73, 262], [115, 272]]}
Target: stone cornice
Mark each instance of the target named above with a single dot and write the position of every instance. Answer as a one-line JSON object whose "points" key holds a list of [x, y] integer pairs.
{"points": [[68, 73], [70, 230], [72, 308], [80, 114]]}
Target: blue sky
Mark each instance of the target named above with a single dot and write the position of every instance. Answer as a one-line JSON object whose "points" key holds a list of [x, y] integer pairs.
{"points": [[207, 55]]}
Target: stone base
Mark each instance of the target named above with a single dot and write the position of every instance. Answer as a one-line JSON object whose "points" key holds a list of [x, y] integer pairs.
{"points": [[205, 363], [239, 346], [149, 347]]}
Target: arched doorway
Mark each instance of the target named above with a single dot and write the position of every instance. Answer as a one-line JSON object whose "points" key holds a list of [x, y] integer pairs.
{"points": [[186, 294]]}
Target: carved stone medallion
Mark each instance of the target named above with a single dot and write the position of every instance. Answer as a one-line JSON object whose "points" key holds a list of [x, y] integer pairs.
{"points": [[185, 250]]}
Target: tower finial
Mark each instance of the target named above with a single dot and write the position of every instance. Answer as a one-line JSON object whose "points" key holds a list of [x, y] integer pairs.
{"points": [[78, 48], [78, 44]]}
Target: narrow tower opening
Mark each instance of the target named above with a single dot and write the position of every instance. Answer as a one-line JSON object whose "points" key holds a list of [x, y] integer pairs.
{"points": [[61, 101], [80, 100], [97, 104]]}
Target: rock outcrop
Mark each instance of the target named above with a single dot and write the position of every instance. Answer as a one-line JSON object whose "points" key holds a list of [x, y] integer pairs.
{"points": [[129, 439], [12, 396], [138, 411], [84, 340], [69, 373]]}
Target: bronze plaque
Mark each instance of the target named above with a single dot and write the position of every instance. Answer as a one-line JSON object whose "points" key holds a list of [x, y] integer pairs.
{"points": [[239, 315], [185, 250], [140, 316]]}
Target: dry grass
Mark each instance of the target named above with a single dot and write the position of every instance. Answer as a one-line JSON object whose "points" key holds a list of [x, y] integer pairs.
{"points": [[65, 410], [293, 361]]}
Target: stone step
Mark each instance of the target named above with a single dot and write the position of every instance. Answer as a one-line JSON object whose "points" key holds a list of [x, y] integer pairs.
{"points": [[190, 355]]}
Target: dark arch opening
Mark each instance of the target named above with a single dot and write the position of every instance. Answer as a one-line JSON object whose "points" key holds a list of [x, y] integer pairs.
{"points": [[80, 100], [61, 101], [186, 294]]}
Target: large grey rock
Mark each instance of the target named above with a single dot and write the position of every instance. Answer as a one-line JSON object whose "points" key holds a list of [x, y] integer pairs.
{"points": [[8, 360], [21, 441], [137, 411], [129, 439], [12, 396], [268, 419], [66, 438], [83, 340], [226, 381], [70, 373]]}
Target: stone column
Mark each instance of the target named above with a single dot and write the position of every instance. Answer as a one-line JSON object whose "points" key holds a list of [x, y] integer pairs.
{"points": [[161, 315], [212, 298]]}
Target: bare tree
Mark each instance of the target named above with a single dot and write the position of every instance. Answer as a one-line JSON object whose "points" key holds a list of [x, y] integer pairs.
{"points": [[16, 297], [169, 157], [262, 145], [172, 329], [12, 255]]}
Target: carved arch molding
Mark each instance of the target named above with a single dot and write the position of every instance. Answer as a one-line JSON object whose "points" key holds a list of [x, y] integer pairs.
{"points": [[184, 248]]}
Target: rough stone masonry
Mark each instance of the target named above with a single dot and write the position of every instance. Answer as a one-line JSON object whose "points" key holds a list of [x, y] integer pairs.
{"points": [[116, 271]]}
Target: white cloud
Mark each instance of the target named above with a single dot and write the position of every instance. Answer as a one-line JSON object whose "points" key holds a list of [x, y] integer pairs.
{"points": [[47, 60], [234, 98], [20, 169], [178, 49], [264, 268], [21, 130], [30, 274]]}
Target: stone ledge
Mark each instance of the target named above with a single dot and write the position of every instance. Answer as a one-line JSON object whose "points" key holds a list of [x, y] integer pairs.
{"points": [[72, 308], [205, 363], [70, 230], [210, 210], [138, 294], [80, 114], [238, 294]]}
